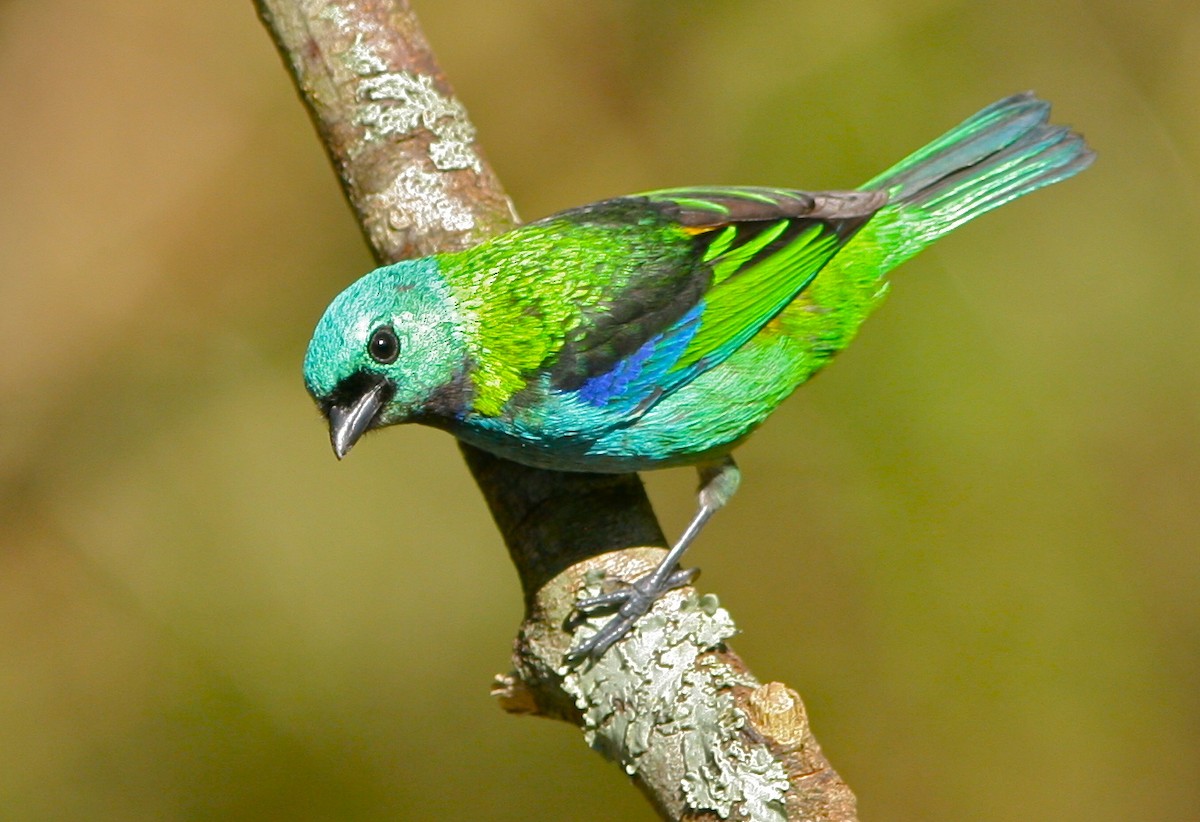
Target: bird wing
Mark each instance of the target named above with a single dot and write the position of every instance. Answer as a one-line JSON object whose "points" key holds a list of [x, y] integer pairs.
{"points": [[751, 251]]}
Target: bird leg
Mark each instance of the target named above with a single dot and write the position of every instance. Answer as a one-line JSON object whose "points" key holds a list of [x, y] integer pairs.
{"points": [[718, 482]]}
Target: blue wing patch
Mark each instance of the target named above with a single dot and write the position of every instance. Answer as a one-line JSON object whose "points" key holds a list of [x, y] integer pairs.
{"points": [[635, 378]]}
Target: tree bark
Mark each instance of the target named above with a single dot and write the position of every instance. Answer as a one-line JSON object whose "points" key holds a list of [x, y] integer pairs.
{"points": [[671, 703]]}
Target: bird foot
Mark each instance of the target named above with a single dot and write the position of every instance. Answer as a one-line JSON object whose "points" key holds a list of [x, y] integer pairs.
{"points": [[632, 601]]}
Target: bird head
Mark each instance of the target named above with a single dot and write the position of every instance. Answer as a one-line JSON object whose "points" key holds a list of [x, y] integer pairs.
{"points": [[385, 349]]}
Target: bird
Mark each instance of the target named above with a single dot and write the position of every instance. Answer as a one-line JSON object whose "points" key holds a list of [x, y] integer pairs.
{"points": [[657, 329]]}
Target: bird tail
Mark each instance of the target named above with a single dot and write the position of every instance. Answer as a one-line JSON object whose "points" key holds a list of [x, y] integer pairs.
{"points": [[1002, 153]]}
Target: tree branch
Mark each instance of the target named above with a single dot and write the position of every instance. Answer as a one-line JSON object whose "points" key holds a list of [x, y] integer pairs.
{"points": [[671, 703]]}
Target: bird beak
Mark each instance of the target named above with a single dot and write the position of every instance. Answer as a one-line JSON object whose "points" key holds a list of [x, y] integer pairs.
{"points": [[349, 422]]}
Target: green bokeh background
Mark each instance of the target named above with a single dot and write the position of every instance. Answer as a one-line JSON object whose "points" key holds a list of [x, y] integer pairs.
{"points": [[973, 545]]}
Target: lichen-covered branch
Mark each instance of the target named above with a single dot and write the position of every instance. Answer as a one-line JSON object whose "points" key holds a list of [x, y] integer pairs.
{"points": [[671, 703]]}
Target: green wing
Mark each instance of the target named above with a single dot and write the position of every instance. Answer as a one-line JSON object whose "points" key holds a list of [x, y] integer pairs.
{"points": [[655, 287], [763, 247]]}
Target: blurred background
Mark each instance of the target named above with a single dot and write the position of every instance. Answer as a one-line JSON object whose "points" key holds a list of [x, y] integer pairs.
{"points": [[973, 545]]}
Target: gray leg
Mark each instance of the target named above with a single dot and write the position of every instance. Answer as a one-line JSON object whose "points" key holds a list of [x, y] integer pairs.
{"points": [[718, 482]]}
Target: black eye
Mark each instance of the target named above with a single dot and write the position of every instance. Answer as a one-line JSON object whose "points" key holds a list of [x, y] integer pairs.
{"points": [[384, 347]]}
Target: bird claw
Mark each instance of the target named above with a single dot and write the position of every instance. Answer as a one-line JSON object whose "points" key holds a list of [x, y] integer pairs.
{"points": [[633, 601]]}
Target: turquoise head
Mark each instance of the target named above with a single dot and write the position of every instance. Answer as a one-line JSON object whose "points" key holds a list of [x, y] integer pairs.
{"points": [[389, 349]]}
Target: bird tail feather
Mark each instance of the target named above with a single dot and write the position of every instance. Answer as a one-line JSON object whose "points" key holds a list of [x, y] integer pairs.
{"points": [[1001, 153]]}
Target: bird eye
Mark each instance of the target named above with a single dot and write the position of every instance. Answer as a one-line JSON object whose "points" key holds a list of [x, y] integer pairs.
{"points": [[384, 346]]}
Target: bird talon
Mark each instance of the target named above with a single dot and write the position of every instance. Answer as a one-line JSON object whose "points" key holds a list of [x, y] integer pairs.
{"points": [[594, 646], [633, 601], [601, 601], [681, 578]]}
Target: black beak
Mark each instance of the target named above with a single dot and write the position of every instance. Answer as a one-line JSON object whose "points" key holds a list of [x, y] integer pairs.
{"points": [[350, 420]]}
